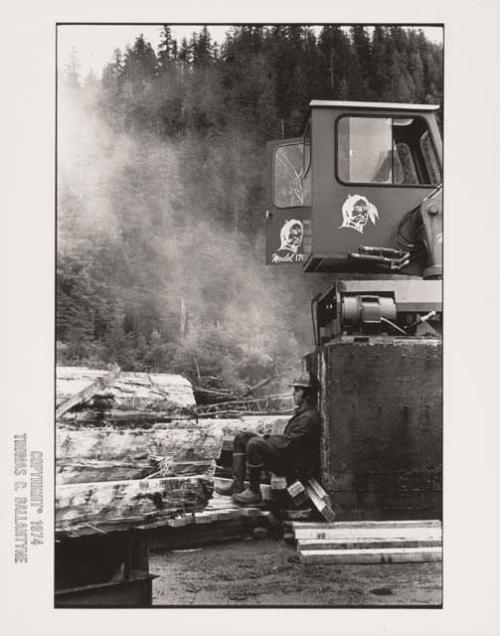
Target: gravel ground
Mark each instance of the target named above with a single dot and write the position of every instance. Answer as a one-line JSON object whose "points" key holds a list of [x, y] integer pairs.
{"points": [[266, 573]]}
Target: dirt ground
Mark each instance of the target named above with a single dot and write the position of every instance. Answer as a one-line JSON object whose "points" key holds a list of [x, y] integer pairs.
{"points": [[266, 572]]}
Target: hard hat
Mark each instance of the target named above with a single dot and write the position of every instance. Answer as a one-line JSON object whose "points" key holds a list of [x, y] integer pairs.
{"points": [[303, 380]]}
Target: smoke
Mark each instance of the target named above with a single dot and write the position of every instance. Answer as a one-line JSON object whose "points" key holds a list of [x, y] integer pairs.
{"points": [[187, 256]]}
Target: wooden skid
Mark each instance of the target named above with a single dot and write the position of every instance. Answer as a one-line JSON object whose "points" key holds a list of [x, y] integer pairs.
{"points": [[375, 555]]}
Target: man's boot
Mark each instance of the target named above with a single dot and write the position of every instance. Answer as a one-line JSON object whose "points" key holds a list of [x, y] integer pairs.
{"points": [[238, 483], [251, 495]]}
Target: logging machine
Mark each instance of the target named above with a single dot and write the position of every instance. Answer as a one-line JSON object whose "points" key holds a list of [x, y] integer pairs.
{"points": [[359, 197]]}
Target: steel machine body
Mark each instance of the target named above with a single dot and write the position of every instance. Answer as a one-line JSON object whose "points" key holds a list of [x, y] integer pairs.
{"points": [[359, 196]]}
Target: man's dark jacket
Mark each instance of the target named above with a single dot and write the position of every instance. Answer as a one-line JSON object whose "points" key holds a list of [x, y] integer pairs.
{"points": [[300, 440]]}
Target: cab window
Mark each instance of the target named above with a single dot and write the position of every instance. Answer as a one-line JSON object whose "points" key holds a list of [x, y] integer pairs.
{"points": [[291, 176], [386, 151]]}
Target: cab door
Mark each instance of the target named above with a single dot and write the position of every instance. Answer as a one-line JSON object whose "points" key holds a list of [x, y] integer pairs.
{"points": [[288, 214]]}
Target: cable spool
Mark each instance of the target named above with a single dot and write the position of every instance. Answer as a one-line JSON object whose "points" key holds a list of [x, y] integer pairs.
{"points": [[362, 309]]}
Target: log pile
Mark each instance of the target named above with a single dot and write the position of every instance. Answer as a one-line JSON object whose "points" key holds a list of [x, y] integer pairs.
{"points": [[130, 448]]}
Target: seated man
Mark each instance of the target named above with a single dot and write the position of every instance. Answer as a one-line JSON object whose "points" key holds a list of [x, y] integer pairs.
{"points": [[295, 453]]}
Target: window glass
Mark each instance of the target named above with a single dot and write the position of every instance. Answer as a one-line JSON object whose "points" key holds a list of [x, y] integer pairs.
{"points": [[430, 158], [291, 188], [386, 150], [404, 166]]}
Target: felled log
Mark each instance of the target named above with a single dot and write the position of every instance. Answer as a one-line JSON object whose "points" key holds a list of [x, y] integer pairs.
{"points": [[130, 391], [85, 454], [129, 502], [88, 392], [260, 424]]}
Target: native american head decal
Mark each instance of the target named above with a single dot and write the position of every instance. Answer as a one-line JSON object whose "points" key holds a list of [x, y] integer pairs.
{"points": [[291, 236], [357, 211]]}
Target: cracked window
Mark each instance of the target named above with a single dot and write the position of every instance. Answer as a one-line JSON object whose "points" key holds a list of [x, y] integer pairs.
{"points": [[292, 188]]}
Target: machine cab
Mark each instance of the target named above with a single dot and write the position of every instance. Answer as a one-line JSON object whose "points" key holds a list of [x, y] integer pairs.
{"points": [[342, 195]]}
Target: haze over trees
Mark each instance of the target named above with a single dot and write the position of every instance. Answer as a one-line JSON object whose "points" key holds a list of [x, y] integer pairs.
{"points": [[162, 192]]}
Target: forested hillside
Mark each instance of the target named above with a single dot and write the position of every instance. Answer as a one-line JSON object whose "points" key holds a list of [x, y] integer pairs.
{"points": [[162, 193]]}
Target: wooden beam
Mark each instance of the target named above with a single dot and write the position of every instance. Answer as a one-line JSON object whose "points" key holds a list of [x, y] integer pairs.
{"points": [[375, 555]]}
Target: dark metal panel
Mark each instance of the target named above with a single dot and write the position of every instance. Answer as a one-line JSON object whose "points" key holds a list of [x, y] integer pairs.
{"points": [[102, 570], [381, 407], [279, 220], [329, 195]]}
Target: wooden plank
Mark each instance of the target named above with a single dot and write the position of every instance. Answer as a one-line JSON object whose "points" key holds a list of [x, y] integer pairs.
{"points": [[323, 508], [375, 555], [315, 485], [416, 534], [88, 392], [128, 501], [342, 543], [425, 523]]}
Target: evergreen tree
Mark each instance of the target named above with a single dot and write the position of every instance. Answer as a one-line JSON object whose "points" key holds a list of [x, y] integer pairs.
{"points": [[167, 49], [337, 62], [140, 62], [362, 62]]}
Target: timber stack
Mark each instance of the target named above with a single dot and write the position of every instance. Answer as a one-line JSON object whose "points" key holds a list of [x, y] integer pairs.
{"points": [[128, 450], [131, 450], [365, 542]]}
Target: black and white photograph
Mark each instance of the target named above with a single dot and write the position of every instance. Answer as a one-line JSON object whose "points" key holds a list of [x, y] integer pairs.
{"points": [[250, 346], [249, 315]]}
